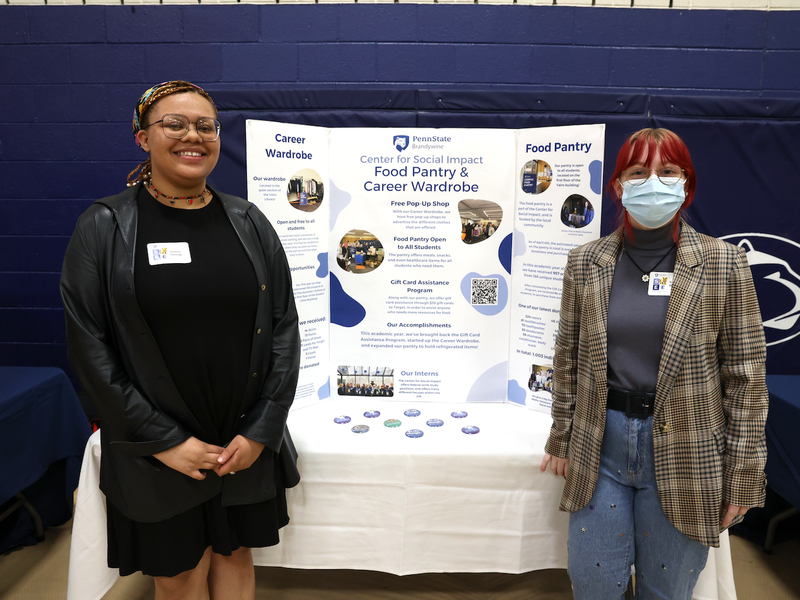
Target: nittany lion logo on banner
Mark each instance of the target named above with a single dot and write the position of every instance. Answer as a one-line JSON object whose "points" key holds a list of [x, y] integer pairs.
{"points": [[775, 262], [400, 142]]}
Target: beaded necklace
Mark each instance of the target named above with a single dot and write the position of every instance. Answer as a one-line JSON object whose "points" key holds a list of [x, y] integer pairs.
{"points": [[189, 199]]}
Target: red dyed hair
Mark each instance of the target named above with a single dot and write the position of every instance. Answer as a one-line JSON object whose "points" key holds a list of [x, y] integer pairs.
{"points": [[639, 149]]}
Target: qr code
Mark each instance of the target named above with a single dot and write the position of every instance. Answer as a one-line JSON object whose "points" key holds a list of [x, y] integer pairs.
{"points": [[484, 291]]}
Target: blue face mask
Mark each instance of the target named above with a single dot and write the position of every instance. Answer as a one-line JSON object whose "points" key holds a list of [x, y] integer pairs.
{"points": [[653, 203]]}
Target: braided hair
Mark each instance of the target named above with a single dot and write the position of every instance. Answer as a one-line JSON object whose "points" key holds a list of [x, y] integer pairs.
{"points": [[142, 110]]}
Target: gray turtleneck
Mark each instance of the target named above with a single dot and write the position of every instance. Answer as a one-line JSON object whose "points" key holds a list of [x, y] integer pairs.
{"points": [[636, 320]]}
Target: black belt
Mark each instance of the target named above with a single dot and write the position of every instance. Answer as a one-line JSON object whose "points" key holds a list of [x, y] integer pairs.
{"points": [[636, 405]]}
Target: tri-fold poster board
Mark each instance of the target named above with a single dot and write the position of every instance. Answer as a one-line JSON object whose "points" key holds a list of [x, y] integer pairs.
{"points": [[427, 263]]}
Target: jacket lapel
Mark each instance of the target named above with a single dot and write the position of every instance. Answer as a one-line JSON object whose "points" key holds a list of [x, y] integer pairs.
{"points": [[684, 303], [127, 216], [597, 293]]}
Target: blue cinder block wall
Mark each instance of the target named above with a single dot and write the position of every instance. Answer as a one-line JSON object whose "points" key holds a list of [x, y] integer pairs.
{"points": [[71, 75]]}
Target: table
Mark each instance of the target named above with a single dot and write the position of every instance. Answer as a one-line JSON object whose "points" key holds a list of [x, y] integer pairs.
{"points": [[783, 465], [43, 423], [444, 502]]}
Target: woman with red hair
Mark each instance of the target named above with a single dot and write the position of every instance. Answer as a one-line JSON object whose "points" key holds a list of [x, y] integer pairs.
{"points": [[659, 400]]}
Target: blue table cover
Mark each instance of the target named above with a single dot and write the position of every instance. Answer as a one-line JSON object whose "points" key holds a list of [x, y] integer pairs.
{"points": [[44, 431], [783, 437]]}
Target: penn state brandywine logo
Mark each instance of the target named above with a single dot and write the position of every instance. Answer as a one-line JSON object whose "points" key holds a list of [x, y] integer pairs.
{"points": [[400, 142], [775, 262]]}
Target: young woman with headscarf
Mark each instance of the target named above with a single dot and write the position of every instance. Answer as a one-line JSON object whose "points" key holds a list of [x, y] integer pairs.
{"points": [[182, 329]]}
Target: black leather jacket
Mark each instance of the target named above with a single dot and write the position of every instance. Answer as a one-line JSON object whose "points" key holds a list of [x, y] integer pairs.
{"points": [[115, 357]]}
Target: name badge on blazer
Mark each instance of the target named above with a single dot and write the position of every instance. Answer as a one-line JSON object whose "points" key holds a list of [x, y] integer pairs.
{"points": [[660, 284], [169, 253]]}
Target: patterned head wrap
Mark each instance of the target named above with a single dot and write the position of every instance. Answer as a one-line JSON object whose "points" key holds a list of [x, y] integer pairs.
{"points": [[157, 92], [150, 97]]}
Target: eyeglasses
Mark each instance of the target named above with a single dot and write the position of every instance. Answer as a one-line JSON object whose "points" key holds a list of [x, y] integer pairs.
{"points": [[668, 175], [177, 127]]}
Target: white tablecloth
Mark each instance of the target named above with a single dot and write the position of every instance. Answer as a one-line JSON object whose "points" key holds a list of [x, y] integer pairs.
{"points": [[381, 501]]}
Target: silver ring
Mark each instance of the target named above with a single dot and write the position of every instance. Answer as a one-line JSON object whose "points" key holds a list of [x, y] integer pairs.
{"points": [[232, 473]]}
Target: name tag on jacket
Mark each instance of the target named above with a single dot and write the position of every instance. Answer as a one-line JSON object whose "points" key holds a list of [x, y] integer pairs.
{"points": [[169, 253], [660, 284]]}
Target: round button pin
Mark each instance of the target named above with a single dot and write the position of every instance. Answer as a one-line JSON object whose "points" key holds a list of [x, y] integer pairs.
{"points": [[341, 420], [434, 422], [458, 414], [414, 433], [412, 412], [360, 429], [372, 414], [392, 423], [471, 429]]}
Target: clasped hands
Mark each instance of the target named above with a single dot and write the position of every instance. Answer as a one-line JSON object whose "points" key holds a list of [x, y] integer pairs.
{"points": [[194, 457]]}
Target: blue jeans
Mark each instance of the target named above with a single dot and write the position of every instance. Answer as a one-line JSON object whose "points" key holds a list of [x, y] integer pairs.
{"points": [[624, 524]]}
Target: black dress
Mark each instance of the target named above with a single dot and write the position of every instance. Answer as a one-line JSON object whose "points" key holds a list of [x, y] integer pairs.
{"points": [[201, 314]]}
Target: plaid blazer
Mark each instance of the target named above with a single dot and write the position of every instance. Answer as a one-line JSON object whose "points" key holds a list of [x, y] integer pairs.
{"points": [[711, 398]]}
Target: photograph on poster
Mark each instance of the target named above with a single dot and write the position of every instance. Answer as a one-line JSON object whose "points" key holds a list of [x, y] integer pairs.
{"points": [[536, 177], [480, 219], [577, 211], [364, 381], [359, 252], [305, 190], [541, 379]]}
